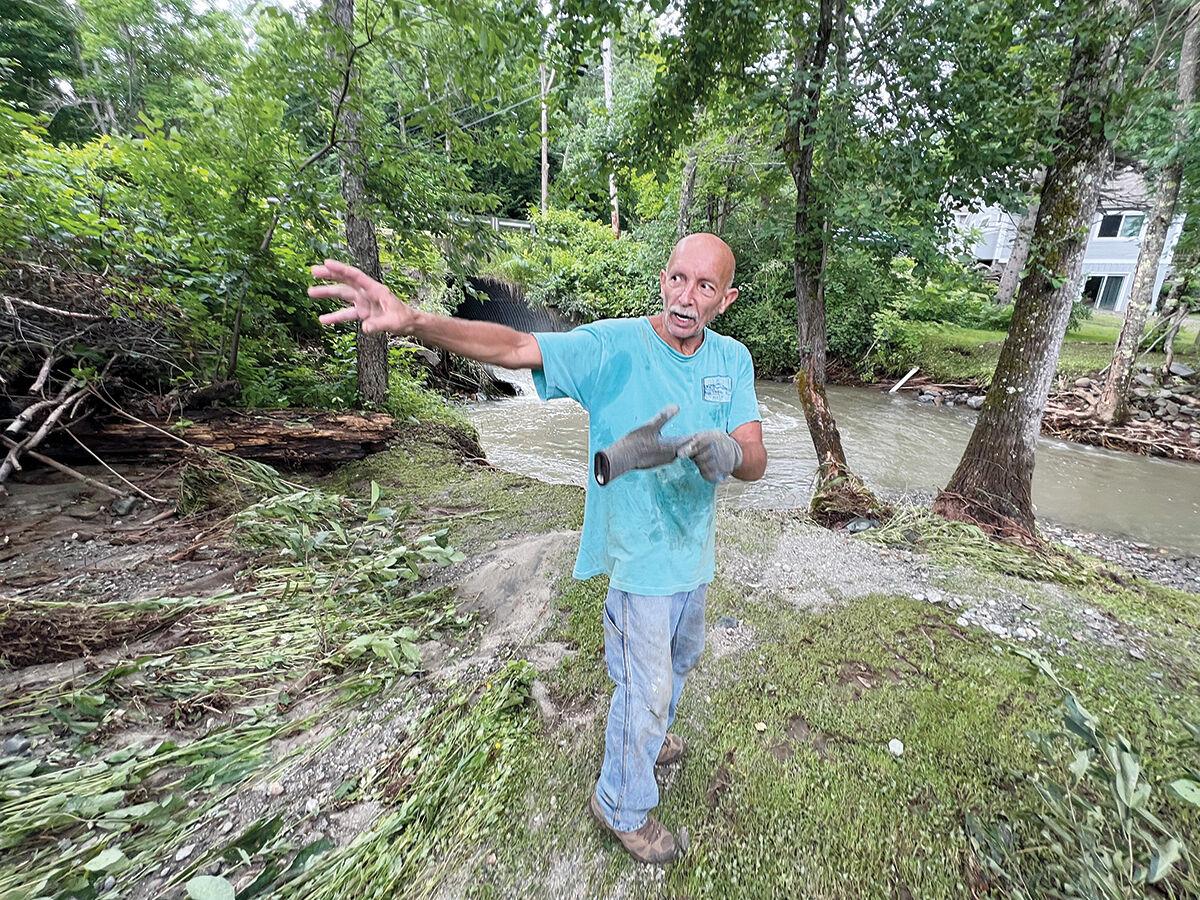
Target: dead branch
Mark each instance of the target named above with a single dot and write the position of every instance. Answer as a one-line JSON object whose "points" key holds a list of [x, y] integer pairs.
{"points": [[10, 300], [65, 469], [113, 471], [43, 374], [27, 414], [12, 460]]}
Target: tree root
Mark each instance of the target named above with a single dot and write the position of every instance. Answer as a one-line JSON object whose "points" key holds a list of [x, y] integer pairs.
{"points": [[991, 521], [843, 496]]}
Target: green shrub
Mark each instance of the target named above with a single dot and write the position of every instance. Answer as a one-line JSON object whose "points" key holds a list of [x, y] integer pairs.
{"points": [[577, 266]]}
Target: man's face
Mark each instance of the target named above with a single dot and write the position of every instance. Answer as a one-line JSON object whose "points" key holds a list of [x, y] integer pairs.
{"points": [[695, 286]]}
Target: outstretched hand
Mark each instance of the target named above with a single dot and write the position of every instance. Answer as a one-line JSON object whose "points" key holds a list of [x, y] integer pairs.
{"points": [[366, 300]]}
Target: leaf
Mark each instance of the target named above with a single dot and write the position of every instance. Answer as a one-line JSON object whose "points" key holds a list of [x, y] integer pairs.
{"points": [[1164, 857], [1187, 790], [209, 887], [1083, 759], [110, 860]]}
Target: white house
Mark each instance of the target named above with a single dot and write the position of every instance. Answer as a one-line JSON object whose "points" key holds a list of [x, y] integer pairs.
{"points": [[1112, 248]]}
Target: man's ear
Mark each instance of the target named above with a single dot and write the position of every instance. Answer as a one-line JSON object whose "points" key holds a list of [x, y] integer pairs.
{"points": [[730, 296]]}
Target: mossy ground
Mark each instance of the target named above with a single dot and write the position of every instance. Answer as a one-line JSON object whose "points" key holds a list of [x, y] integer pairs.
{"points": [[813, 804], [789, 788]]}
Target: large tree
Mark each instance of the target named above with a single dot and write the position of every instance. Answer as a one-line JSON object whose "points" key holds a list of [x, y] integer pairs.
{"points": [[1114, 396], [360, 230], [837, 491], [992, 485]]}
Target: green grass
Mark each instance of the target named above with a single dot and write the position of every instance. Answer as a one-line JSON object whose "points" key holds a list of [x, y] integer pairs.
{"points": [[813, 804], [951, 353]]}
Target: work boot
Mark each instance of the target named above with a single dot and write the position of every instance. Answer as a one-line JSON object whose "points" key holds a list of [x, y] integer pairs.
{"points": [[672, 750], [651, 843]]}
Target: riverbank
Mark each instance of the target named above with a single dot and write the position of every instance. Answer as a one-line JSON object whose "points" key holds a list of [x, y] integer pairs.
{"points": [[330, 762], [955, 366], [1163, 421]]}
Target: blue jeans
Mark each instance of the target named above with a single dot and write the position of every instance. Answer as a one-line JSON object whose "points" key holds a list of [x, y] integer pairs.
{"points": [[650, 646]]}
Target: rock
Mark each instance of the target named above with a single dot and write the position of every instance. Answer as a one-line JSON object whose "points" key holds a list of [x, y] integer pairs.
{"points": [[184, 852], [997, 630], [312, 805], [1170, 409], [1189, 411], [1183, 370], [976, 402], [226, 826], [274, 789], [1141, 392], [925, 398], [896, 747], [109, 883], [1181, 425], [855, 526], [727, 622], [16, 745], [123, 506], [1163, 394], [1083, 382], [1136, 653], [1145, 379], [760, 727], [1143, 415], [545, 705]]}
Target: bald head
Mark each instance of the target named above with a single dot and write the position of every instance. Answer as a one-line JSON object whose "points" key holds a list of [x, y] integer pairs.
{"points": [[696, 287], [709, 250]]}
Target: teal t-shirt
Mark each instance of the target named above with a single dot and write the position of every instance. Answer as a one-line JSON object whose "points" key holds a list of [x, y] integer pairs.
{"points": [[651, 530]]}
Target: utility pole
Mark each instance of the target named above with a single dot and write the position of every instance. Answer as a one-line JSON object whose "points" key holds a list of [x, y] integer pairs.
{"points": [[606, 52]]}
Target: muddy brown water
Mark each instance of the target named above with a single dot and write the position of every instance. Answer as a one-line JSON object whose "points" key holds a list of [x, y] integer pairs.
{"points": [[895, 444]]}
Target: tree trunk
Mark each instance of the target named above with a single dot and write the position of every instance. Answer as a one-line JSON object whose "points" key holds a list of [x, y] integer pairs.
{"points": [[372, 349], [545, 80], [992, 485], [1114, 398], [686, 189], [1177, 320], [839, 495], [606, 51], [1019, 255]]}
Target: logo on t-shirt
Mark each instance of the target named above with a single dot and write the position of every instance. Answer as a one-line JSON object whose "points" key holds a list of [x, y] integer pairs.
{"points": [[718, 388]]}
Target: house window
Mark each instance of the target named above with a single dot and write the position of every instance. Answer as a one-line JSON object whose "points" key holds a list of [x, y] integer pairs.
{"points": [[1126, 225], [1103, 291]]}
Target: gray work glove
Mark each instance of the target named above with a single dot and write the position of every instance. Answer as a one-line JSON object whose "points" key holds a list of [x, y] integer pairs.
{"points": [[642, 448], [714, 452]]}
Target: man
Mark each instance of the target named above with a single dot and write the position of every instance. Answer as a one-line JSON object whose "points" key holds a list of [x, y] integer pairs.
{"points": [[672, 413]]}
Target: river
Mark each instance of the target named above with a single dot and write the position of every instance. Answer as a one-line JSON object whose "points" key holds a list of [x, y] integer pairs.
{"points": [[895, 445]]}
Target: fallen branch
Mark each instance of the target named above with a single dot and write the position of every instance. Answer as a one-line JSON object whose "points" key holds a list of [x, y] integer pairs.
{"points": [[27, 414], [12, 460], [43, 374], [9, 300], [118, 475], [65, 469]]}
